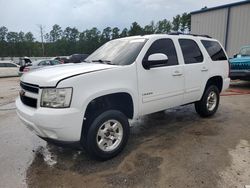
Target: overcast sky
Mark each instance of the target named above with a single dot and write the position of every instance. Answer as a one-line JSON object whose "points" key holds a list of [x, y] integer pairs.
{"points": [[25, 15]]}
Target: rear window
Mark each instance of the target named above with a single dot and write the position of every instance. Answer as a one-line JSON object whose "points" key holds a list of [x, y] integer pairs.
{"points": [[214, 50]]}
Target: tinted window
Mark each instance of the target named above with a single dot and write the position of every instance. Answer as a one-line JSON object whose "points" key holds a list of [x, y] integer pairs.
{"points": [[191, 51], [215, 50], [43, 63], [9, 65], [165, 46], [54, 62]]}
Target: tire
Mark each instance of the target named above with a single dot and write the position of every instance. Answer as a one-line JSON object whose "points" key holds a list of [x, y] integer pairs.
{"points": [[112, 138], [203, 108]]}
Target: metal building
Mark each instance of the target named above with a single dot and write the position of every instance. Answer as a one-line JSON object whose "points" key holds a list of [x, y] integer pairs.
{"points": [[230, 24]]}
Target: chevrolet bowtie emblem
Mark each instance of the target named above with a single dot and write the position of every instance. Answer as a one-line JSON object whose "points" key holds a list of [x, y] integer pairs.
{"points": [[22, 92]]}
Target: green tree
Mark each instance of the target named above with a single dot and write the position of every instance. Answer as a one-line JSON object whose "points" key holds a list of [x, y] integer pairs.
{"points": [[21, 36], [115, 33], [124, 33], [163, 26], [47, 37], [135, 29], [12, 37], [149, 29], [71, 34], [3, 33], [189, 22], [106, 35], [29, 37], [185, 22], [56, 33], [89, 40], [176, 23], [70, 40]]}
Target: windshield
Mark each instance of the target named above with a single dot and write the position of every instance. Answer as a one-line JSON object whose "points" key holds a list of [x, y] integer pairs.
{"points": [[245, 51], [55, 62], [118, 52]]}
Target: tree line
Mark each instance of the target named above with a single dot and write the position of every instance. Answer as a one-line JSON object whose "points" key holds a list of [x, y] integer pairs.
{"points": [[59, 42]]}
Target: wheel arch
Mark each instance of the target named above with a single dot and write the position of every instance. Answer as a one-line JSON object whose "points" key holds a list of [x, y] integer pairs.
{"points": [[215, 80], [99, 103]]}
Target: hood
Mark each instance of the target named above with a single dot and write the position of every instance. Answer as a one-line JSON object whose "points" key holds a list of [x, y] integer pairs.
{"points": [[50, 76], [240, 60]]}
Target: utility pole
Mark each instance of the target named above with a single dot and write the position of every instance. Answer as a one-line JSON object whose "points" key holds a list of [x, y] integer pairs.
{"points": [[41, 28]]}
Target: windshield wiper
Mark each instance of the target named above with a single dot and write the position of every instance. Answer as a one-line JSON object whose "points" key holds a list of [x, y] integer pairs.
{"points": [[86, 61], [103, 61]]}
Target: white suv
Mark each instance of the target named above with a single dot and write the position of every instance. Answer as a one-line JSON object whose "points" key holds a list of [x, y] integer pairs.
{"points": [[90, 103]]}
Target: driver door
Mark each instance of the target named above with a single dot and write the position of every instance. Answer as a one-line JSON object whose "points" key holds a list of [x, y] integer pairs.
{"points": [[161, 87]]}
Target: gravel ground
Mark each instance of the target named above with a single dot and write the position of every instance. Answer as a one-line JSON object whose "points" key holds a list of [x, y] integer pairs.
{"points": [[175, 148]]}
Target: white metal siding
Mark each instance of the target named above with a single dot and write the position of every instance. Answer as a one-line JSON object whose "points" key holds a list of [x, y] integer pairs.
{"points": [[212, 23], [239, 28]]}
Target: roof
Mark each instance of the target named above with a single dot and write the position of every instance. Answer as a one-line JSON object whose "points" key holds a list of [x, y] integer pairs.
{"points": [[221, 7]]}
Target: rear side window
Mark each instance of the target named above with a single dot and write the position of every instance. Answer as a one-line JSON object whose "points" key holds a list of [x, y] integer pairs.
{"points": [[191, 51], [214, 50], [165, 46], [42, 63], [9, 65]]}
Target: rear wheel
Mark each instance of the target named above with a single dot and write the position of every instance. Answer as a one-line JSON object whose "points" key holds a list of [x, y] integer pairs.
{"points": [[107, 135], [209, 102]]}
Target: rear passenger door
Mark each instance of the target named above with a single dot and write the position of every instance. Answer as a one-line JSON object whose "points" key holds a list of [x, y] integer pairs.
{"points": [[195, 69], [12, 69], [2, 70]]}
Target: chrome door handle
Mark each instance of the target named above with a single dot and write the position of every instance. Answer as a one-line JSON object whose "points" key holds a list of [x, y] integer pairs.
{"points": [[177, 73], [204, 69]]}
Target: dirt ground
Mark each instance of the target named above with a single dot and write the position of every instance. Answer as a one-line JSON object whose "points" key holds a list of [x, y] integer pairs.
{"points": [[175, 148]]}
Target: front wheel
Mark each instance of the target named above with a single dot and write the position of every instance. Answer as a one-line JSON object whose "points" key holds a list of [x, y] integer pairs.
{"points": [[209, 102], [107, 135]]}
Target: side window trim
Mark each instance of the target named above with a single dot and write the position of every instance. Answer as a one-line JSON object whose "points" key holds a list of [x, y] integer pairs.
{"points": [[200, 62]]}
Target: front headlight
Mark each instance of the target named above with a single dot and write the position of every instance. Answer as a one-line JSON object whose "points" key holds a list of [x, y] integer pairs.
{"points": [[56, 97]]}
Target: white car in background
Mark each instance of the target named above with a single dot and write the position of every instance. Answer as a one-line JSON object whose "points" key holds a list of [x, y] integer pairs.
{"points": [[8, 68], [38, 64]]}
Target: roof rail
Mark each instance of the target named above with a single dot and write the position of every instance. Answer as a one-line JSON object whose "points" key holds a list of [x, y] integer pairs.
{"points": [[195, 35]]}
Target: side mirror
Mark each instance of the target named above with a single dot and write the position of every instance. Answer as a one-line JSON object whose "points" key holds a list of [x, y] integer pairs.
{"points": [[155, 60]]}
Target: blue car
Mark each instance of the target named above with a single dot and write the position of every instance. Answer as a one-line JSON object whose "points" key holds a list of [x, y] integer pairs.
{"points": [[240, 65]]}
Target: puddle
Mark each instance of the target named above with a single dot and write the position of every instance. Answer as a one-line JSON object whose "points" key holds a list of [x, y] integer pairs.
{"points": [[238, 174]]}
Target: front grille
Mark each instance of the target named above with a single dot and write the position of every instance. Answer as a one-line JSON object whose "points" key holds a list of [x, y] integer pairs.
{"points": [[29, 87], [240, 66], [29, 101]]}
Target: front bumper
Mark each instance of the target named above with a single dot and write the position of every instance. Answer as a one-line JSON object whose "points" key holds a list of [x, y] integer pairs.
{"points": [[240, 74], [69, 144], [57, 124]]}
